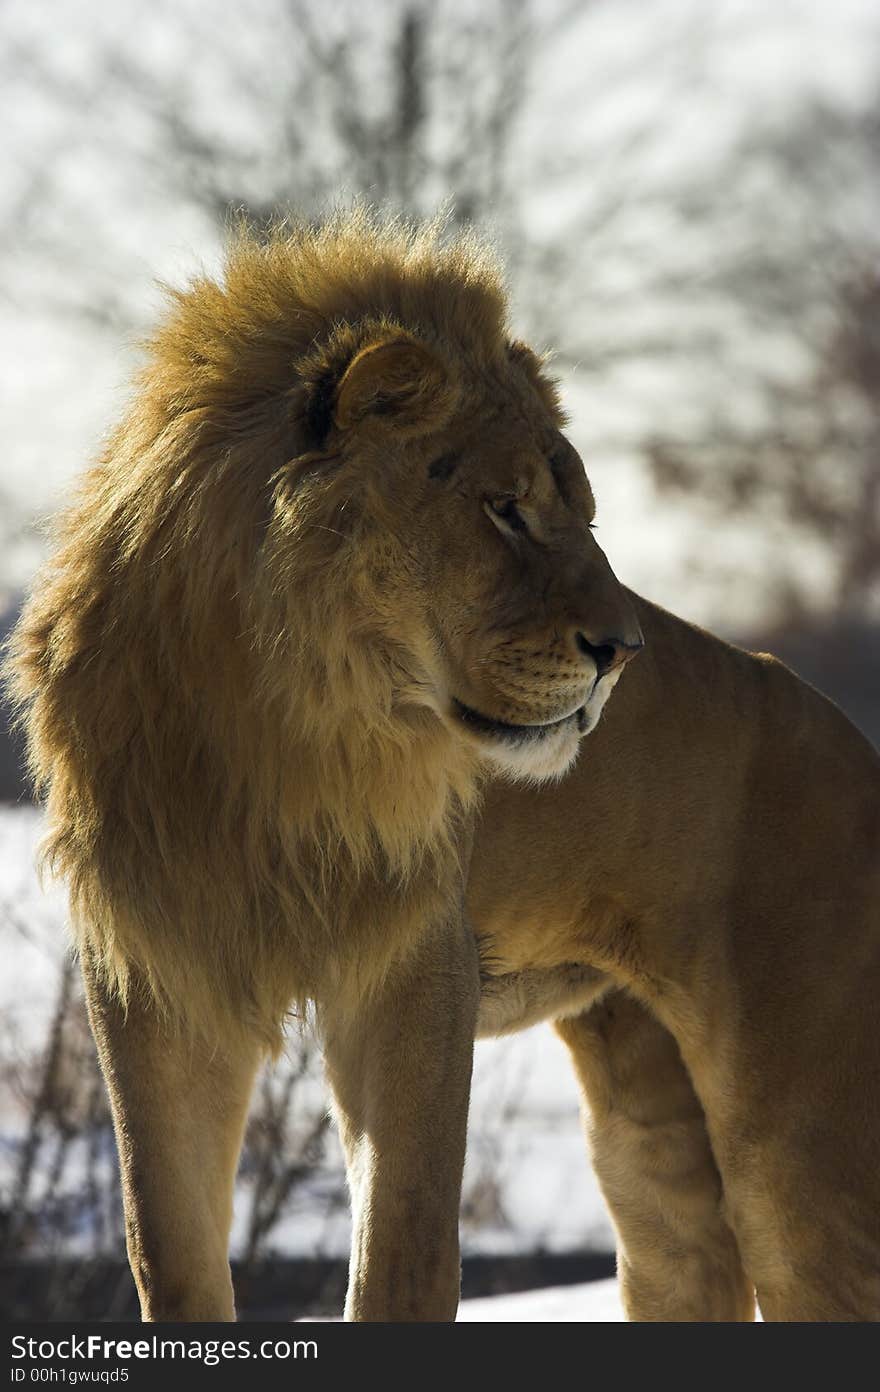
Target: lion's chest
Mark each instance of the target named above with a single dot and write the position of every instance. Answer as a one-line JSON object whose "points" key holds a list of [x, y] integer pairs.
{"points": [[512, 1001]]}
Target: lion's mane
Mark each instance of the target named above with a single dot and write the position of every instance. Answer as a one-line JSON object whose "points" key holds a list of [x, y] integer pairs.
{"points": [[228, 721]]}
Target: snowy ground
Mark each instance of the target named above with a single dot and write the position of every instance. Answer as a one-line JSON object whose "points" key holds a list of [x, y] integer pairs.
{"points": [[597, 1303], [528, 1183]]}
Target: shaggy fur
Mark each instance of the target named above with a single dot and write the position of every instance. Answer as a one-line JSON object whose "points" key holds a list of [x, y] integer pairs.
{"points": [[215, 658]]}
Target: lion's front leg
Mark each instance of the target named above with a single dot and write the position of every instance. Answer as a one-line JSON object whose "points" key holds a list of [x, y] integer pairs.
{"points": [[677, 1256], [179, 1108], [399, 1064]]}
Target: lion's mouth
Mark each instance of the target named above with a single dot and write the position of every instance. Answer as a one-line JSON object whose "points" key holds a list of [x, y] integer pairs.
{"points": [[517, 734]]}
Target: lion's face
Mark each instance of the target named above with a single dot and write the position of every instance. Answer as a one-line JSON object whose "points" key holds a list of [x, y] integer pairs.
{"points": [[533, 626], [479, 530]]}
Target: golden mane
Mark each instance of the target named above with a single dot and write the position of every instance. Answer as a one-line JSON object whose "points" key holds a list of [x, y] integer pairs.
{"points": [[203, 672]]}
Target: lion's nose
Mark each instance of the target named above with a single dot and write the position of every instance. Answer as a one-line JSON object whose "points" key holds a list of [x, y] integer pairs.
{"points": [[608, 655]]}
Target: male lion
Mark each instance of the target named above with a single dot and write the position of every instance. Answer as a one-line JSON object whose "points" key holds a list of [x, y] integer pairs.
{"points": [[333, 574]]}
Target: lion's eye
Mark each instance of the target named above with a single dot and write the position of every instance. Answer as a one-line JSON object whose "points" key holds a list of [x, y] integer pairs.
{"points": [[506, 511]]}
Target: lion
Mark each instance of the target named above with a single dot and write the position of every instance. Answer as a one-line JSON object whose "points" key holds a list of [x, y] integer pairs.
{"points": [[316, 689]]}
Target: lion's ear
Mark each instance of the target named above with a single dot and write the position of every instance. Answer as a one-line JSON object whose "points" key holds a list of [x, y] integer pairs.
{"points": [[398, 381]]}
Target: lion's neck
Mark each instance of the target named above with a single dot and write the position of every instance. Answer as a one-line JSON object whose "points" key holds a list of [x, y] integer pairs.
{"points": [[360, 759], [380, 796]]}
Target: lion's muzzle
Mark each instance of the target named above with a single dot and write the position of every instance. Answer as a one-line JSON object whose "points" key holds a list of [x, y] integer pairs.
{"points": [[542, 742]]}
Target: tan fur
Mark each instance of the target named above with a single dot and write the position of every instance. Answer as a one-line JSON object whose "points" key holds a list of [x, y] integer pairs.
{"points": [[338, 538]]}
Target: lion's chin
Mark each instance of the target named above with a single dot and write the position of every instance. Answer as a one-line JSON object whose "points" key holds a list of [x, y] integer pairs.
{"points": [[536, 760], [532, 753]]}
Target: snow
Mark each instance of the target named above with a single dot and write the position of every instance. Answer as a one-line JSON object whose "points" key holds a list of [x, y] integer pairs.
{"points": [[32, 938], [597, 1302]]}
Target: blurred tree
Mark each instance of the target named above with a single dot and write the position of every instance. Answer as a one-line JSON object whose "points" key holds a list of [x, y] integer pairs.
{"points": [[804, 275], [284, 1148], [718, 295], [411, 104]]}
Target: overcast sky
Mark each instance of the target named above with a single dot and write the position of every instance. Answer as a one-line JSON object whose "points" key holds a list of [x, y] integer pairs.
{"points": [[64, 377]]}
